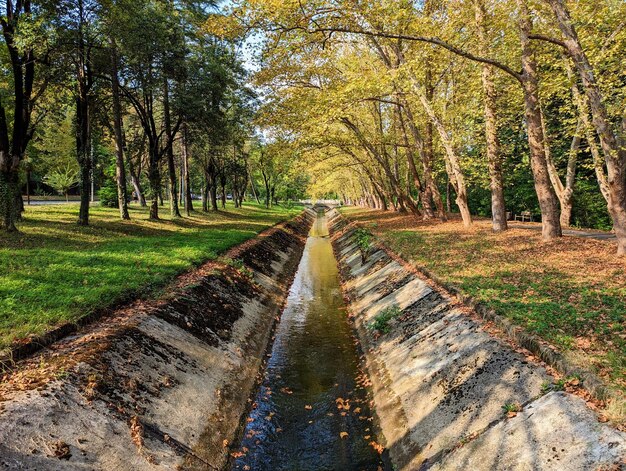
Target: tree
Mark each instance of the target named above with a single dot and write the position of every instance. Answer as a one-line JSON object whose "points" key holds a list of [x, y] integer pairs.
{"points": [[143, 76], [63, 180], [27, 51]]}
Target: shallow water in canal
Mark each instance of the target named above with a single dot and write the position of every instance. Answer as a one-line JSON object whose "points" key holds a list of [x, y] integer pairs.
{"points": [[311, 411]]}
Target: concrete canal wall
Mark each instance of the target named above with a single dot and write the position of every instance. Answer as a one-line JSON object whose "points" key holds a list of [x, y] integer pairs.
{"points": [[155, 385], [443, 385]]}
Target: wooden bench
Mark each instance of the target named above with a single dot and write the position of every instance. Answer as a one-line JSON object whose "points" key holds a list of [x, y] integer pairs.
{"points": [[524, 216]]}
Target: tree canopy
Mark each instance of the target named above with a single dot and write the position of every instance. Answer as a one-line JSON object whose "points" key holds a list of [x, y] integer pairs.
{"points": [[488, 107]]}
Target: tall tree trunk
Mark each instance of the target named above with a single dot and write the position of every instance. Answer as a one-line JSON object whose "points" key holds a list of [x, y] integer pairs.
{"points": [[171, 166], [548, 202], [28, 186], [267, 189], [213, 193], [430, 192], [223, 191], [212, 183], [22, 61], [498, 209], [612, 143], [154, 177], [205, 195], [83, 126], [429, 148], [456, 174], [120, 172], [188, 199], [563, 192], [141, 197], [254, 192], [9, 190], [589, 133], [382, 200], [424, 196]]}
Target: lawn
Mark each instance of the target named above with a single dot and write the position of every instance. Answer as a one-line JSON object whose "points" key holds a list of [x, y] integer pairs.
{"points": [[53, 271], [571, 292]]}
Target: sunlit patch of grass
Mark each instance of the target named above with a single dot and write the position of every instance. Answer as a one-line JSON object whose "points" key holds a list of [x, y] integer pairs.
{"points": [[54, 271], [570, 292]]}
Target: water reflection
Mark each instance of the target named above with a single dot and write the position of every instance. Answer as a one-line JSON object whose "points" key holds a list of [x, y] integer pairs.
{"points": [[311, 412]]}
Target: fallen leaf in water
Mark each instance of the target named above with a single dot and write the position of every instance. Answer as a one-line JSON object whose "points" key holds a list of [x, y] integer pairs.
{"points": [[367, 437], [357, 410], [378, 447], [308, 407], [246, 468], [343, 434], [249, 419]]}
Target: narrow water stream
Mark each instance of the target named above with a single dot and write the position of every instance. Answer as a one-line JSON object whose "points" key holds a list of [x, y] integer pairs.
{"points": [[311, 411]]}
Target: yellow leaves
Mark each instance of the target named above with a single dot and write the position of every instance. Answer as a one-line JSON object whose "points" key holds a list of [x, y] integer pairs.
{"points": [[343, 435], [343, 403], [308, 407], [223, 26], [377, 446]]}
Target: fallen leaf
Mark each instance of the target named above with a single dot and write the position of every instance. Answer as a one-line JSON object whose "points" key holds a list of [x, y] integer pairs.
{"points": [[377, 446], [343, 434]]}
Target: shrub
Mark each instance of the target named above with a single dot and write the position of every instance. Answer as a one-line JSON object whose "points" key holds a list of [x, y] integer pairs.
{"points": [[382, 319], [364, 241], [108, 195]]}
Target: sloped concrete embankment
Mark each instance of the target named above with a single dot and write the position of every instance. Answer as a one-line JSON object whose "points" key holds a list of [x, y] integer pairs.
{"points": [[158, 385], [441, 382]]}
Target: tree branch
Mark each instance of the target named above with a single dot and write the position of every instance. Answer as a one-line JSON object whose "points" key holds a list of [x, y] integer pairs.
{"points": [[425, 39], [541, 37]]}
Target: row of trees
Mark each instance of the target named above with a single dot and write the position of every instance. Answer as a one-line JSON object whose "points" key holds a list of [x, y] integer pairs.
{"points": [[402, 103], [136, 95]]}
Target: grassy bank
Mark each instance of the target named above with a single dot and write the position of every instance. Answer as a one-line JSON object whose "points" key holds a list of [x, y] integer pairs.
{"points": [[54, 271], [571, 292]]}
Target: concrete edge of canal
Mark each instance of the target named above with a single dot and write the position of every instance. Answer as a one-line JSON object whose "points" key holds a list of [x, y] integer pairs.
{"points": [[155, 385], [450, 396]]}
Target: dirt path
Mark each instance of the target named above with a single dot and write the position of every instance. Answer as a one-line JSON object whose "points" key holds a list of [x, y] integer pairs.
{"points": [[587, 234]]}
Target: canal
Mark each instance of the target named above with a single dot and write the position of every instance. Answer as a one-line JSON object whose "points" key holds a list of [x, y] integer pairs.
{"points": [[311, 411]]}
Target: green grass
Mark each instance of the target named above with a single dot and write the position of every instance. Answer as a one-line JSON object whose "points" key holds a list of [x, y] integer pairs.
{"points": [[53, 271]]}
